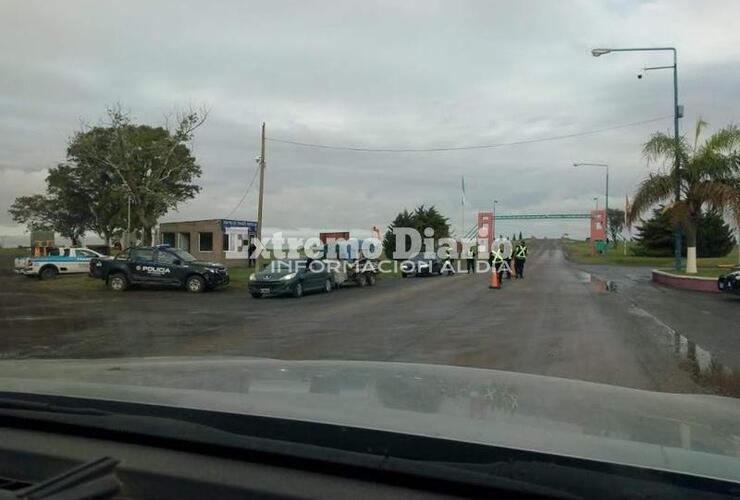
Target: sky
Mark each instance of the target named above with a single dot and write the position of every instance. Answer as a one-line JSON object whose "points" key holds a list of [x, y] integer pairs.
{"points": [[370, 74]]}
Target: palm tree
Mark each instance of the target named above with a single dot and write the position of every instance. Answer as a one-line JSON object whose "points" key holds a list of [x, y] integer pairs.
{"points": [[709, 175]]}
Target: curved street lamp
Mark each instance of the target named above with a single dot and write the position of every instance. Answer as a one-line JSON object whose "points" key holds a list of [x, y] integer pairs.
{"points": [[677, 113]]}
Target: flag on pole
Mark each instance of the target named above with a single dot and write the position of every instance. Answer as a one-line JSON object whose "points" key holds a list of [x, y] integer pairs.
{"points": [[463, 201]]}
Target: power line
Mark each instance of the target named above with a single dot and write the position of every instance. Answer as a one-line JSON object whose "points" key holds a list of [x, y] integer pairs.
{"points": [[244, 197], [463, 148]]}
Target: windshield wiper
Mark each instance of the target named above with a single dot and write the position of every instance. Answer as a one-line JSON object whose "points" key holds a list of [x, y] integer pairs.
{"points": [[93, 479]]}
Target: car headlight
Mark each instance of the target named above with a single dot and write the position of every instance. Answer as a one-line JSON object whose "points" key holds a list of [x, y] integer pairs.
{"points": [[252, 277], [288, 277]]}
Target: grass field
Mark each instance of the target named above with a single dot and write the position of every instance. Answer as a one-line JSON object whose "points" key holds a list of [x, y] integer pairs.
{"points": [[580, 252]]}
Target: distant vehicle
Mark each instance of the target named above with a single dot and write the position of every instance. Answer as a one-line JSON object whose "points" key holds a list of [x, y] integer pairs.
{"points": [[361, 272], [59, 261], [291, 277], [421, 265], [730, 282], [160, 266]]}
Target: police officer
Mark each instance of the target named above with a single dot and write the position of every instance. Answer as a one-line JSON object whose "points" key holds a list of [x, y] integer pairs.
{"points": [[520, 256], [473, 253], [496, 260], [507, 251], [447, 265]]}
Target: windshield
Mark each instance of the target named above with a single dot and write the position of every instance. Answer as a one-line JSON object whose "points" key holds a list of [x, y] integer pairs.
{"points": [[183, 255], [512, 223]]}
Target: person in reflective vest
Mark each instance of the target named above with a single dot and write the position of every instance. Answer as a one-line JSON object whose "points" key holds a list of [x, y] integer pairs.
{"points": [[506, 254], [497, 261], [520, 256], [447, 264]]}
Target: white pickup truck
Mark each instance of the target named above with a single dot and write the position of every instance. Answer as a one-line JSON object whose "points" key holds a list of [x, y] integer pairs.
{"points": [[59, 261]]}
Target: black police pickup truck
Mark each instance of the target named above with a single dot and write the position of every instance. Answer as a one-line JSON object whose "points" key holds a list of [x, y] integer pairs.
{"points": [[160, 266]]}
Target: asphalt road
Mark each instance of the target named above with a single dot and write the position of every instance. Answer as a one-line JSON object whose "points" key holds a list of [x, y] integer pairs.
{"points": [[561, 320]]}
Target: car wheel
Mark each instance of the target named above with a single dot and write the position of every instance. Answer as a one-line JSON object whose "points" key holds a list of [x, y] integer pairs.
{"points": [[195, 284], [327, 286], [256, 295], [371, 279], [48, 273], [298, 290], [362, 280], [117, 282]]}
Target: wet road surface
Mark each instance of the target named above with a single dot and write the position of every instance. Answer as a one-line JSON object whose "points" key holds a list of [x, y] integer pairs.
{"points": [[562, 320]]}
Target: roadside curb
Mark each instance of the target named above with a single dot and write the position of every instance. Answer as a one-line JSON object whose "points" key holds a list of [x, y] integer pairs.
{"points": [[695, 283]]}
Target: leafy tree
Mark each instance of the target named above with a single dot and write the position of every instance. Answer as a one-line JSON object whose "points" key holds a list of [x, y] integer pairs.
{"points": [[714, 237], [403, 219], [520, 236], [708, 175], [33, 211], [420, 219], [655, 236], [107, 165], [615, 220], [430, 217], [51, 212], [151, 165]]}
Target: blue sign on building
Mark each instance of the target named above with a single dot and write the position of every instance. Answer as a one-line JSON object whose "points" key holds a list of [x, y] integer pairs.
{"points": [[227, 223]]}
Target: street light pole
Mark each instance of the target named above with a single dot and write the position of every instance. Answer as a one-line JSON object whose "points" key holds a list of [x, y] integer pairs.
{"points": [[597, 203], [676, 115], [493, 221]]}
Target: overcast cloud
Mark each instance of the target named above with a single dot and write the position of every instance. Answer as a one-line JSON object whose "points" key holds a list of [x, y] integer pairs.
{"points": [[376, 74]]}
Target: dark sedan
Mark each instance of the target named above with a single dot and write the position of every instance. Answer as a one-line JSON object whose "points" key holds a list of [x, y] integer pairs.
{"points": [[422, 264], [291, 277]]}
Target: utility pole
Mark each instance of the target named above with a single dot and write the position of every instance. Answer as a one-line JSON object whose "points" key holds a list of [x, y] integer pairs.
{"points": [[262, 186], [128, 223]]}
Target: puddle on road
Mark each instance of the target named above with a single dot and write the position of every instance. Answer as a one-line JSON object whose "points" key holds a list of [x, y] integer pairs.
{"points": [[699, 362], [597, 284]]}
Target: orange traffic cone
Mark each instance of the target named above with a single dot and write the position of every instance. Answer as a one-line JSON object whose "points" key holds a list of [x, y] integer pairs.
{"points": [[495, 283]]}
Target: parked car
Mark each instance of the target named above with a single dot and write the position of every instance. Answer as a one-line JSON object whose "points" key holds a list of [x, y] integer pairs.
{"points": [[361, 272], [422, 264], [291, 277], [161, 266], [59, 261], [730, 282]]}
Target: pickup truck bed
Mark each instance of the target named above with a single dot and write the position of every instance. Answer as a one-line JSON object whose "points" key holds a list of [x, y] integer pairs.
{"points": [[62, 261]]}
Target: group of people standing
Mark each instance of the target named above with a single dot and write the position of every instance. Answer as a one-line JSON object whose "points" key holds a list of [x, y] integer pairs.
{"points": [[501, 257]]}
